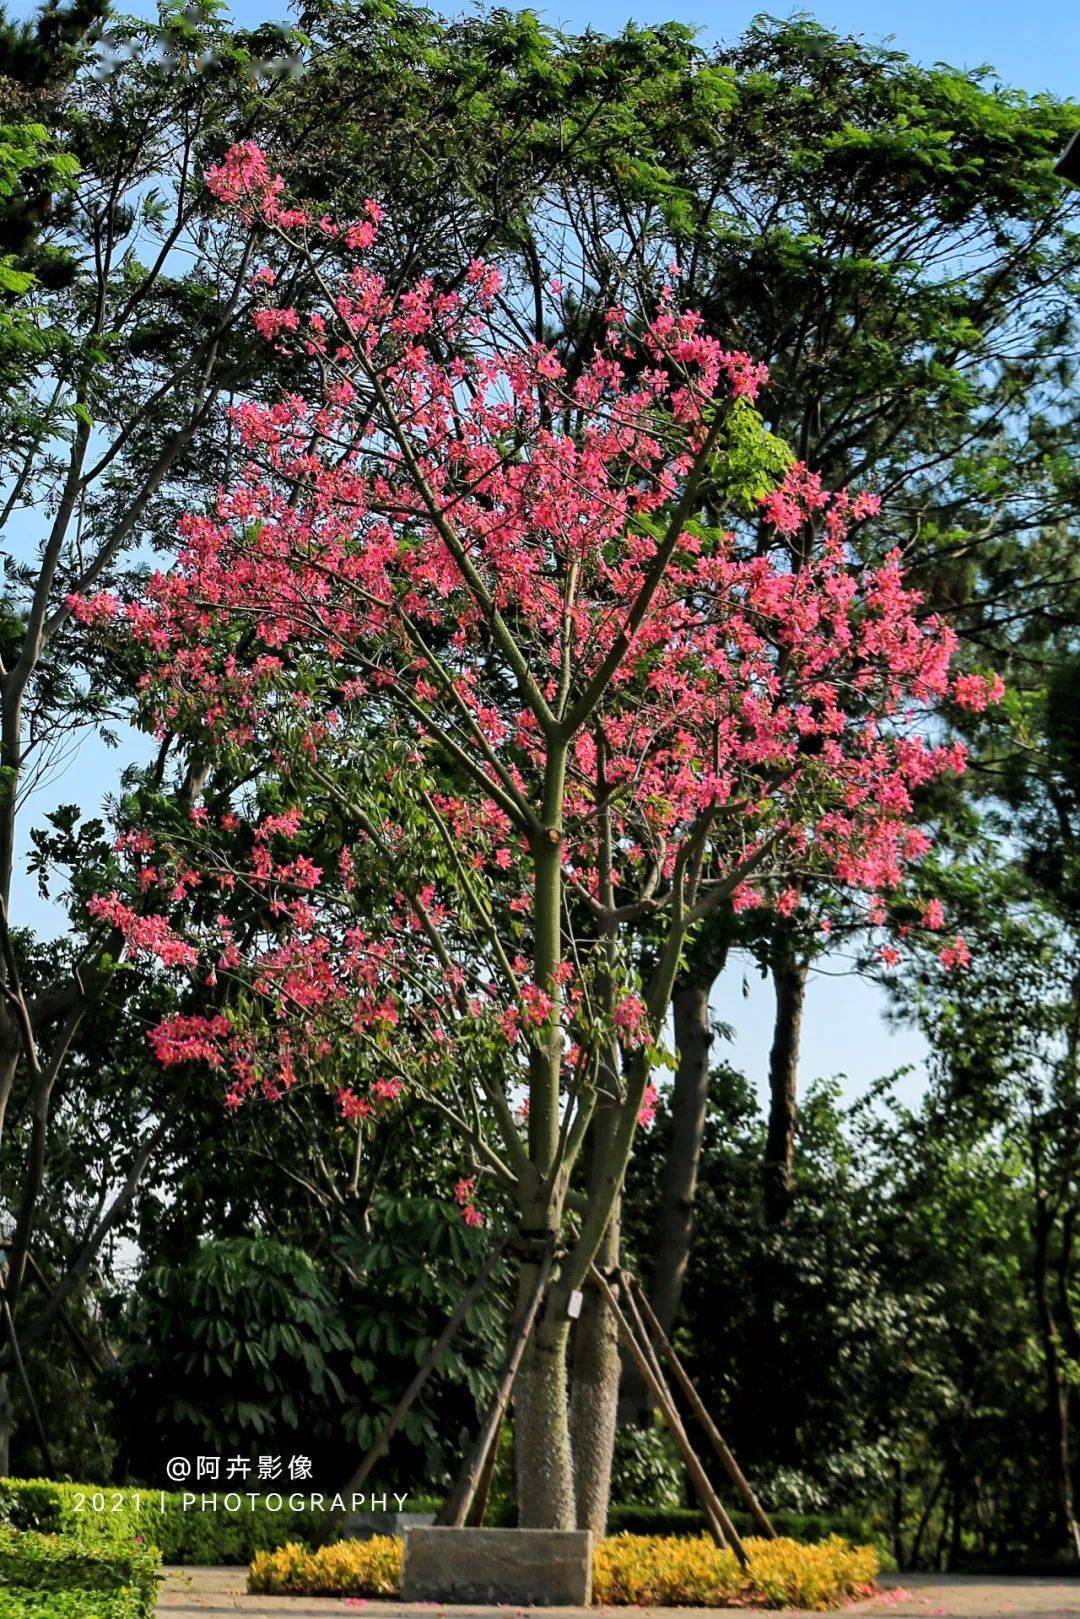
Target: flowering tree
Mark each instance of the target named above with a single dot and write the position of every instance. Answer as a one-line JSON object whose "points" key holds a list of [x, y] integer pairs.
{"points": [[460, 606]]}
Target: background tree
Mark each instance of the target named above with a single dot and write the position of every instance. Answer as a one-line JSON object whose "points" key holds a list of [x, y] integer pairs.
{"points": [[891, 240]]}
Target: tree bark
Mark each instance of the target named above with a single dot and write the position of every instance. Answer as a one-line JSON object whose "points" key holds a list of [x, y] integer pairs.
{"points": [[789, 979], [596, 1365], [1057, 1389], [545, 1485], [7, 1424], [678, 1181]]}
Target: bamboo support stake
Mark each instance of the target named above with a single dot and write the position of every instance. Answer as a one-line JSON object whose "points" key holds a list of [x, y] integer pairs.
{"points": [[697, 1405], [731, 1534], [723, 1530], [478, 1510], [456, 1508]]}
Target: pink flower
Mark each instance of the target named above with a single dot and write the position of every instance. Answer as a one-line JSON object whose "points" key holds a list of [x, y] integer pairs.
{"points": [[977, 692], [955, 954], [181, 1039], [647, 1111], [353, 1108], [631, 1019], [934, 916]]}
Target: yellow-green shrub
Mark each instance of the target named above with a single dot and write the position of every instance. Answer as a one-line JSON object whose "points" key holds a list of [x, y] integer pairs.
{"points": [[641, 1570], [347, 1568], [677, 1571]]}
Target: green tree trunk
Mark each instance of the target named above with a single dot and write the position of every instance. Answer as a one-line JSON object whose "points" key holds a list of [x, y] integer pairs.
{"points": [[789, 975], [596, 1367]]}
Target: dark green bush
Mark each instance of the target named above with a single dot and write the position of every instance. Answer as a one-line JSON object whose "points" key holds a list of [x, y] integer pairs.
{"points": [[805, 1526]]}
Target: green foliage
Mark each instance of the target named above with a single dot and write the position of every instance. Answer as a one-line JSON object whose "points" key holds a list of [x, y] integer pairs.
{"points": [[246, 1342], [63, 1563], [415, 1265], [30, 163], [647, 1469], [126, 1602], [632, 1519], [879, 1359], [156, 1518], [234, 1346]]}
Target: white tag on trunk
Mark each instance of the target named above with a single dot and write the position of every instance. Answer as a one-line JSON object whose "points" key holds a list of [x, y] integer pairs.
{"points": [[574, 1303]]}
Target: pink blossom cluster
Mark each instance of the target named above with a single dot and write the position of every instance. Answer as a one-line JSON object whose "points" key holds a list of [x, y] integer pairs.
{"points": [[462, 550], [464, 1195]]}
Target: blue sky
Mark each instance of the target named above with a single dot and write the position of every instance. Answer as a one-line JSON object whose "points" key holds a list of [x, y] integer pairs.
{"points": [[1035, 46]]}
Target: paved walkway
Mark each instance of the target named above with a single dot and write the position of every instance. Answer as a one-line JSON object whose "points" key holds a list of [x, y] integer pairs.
{"points": [[213, 1593]]}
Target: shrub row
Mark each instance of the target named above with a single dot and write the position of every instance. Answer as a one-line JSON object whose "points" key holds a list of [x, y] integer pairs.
{"points": [[638, 1570], [56, 1575], [19, 1603], [346, 1568], [635, 1519], [157, 1518], [683, 1571], [196, 1537]]}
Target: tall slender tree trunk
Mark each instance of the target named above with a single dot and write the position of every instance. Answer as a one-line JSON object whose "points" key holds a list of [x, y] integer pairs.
{"points": [[789, 974], [596, 1365], [1058, 1403], [545, 1485], [7, 1424], [678, 1181], [679, 1177]]}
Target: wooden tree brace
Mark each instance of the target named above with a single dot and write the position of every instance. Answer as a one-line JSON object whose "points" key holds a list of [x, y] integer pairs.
{"points": [[453, 1322], [720, 1525], [697, 1405]]}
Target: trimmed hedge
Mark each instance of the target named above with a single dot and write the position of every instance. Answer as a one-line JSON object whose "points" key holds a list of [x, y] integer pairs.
{"points": [[192, 1537], [17, 1602], [203, 1538], [630, 1570], [69, 1571], [633, 1519]]}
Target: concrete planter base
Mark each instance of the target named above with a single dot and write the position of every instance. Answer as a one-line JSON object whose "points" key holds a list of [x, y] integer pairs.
{"points": [[542, 1568]]}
